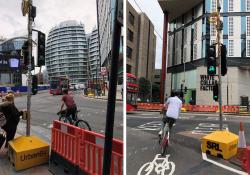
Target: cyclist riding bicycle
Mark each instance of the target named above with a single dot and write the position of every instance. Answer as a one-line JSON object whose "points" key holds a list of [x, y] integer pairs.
{"points": [[71, 108], [173, 108]]}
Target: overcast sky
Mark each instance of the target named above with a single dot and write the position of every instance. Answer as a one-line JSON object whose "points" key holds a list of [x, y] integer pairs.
{"points": [[49, 13], [155, 14]]}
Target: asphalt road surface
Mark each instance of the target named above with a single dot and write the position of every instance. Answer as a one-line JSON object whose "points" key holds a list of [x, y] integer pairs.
{"points": [[45, 106], [183, 156]]}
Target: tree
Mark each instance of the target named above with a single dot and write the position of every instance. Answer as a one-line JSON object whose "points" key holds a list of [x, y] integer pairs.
{"points": [[144, 89]]}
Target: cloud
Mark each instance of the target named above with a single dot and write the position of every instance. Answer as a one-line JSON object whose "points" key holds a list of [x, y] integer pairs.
{"points": [[49, 13]]}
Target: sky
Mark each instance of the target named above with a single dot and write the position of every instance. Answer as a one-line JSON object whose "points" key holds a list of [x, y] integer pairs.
{"points": [[48, 14], [155, 14]]}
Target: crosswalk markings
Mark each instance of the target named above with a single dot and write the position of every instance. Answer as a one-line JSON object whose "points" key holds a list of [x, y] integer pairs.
{"points": [[206, 128]]}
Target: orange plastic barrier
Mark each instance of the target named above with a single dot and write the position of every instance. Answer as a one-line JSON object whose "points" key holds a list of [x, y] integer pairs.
{"points": [[91, 154], [84, 149]]}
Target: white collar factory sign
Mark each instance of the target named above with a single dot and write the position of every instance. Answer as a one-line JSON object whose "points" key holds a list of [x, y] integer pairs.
{"points": [[207, 82]]}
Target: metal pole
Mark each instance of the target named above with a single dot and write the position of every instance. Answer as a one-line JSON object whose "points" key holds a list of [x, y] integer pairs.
{"points": [[219, 59], [112, 94], [164, 57], [29, 68]]}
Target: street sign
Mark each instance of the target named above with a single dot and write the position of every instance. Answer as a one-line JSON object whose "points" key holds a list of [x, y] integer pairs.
{"points": [[25, 7], [103, 71]]}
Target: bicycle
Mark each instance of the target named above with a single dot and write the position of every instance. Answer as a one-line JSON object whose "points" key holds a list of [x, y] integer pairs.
{"points": [[76, 122], [164, 137]]}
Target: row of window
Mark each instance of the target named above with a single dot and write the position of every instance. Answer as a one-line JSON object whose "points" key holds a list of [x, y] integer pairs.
{"points": [[231, 5]]}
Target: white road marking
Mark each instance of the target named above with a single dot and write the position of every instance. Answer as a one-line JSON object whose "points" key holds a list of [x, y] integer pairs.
{"points": [[141, 117], [160, 165], [206, 128], [204, 157], [151, 126]]}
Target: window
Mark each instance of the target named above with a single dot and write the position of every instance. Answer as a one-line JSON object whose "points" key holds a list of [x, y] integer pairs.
{"points": [[248, 25], [131, 18], [212, 30], [230, 26], [195, 51], [129, 52], [247, 5], [248, 48], [230, 48], [212, 41], [231, 5], [213, 6], [130, 35], [195, 31]]}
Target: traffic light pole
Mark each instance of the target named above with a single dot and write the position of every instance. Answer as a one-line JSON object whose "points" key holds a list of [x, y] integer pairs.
{"points": [[30, 19], [219, 59]]}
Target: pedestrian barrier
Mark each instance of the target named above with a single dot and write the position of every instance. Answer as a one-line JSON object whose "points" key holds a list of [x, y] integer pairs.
{"points": [[91, 154], [246, 162], [81, 151]]}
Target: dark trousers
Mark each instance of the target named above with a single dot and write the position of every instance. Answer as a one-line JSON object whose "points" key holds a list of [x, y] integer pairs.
{"points": [[10, 134], [72, 112]]}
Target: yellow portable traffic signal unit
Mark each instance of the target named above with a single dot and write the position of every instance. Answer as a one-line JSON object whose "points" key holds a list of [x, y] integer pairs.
{"points": [[222, 144]]}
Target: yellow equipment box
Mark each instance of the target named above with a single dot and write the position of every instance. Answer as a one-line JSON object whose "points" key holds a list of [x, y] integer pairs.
{"points": [[221, 144], [28, 151]]}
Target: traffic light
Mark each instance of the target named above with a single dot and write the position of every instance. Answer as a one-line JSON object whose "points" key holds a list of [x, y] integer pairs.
{"points": [[211, 60], [34, 84], [216, 92], [223, 60], [185, 89], [25, 53], [41, 49]]}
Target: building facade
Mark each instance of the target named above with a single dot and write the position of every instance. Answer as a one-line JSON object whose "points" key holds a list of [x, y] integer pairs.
{"points": [[105, 16], [94, 61], [141, 44], [66, 52], [10, 61], [190, 34]]}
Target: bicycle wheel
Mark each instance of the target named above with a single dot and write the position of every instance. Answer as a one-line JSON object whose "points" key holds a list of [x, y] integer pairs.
{"points": [[65, 119], [164, 141], [146, 169], [83, 124]]}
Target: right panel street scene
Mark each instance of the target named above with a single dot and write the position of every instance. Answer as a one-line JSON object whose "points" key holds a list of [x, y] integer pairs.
{"points": [[188, 74]]}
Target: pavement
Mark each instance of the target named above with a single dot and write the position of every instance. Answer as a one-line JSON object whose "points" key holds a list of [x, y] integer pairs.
{"points": [[43, 111], [105, 97]]}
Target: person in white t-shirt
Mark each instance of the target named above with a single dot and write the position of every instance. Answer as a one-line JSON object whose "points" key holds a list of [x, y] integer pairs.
{"points": [[173, 107]]}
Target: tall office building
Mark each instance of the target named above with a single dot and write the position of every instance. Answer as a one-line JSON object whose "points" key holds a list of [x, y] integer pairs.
{"points": [[190, 33], [141, 44], [105, 14], [94, 61], [67, 52]]}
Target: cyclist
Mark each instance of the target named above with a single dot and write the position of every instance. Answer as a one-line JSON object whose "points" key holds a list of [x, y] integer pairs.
{"points": [[173, 108], [70, 104]]}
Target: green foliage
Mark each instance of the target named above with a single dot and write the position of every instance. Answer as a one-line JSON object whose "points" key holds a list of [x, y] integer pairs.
{"points": [[144, 89]]}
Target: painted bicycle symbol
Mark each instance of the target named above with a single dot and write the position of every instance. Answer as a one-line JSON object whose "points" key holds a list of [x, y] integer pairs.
{"points": [[160, 165]]}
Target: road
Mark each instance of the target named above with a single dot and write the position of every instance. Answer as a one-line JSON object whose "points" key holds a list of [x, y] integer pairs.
{"points": [[184, 152], [45, 106]]}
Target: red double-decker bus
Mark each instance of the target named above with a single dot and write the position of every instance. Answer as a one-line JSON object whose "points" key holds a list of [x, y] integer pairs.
{"points": [[132, 92], [57, 85]]}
